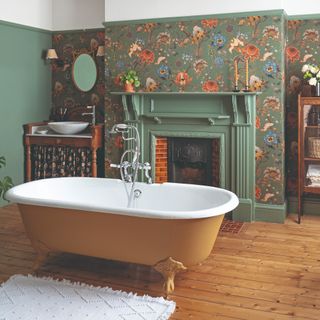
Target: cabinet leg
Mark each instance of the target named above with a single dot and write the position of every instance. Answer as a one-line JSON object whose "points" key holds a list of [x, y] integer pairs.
{"points": [[94, 163], [299, 209]]}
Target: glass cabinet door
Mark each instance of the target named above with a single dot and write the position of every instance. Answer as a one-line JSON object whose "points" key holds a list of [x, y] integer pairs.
{"points": [[311, 147]]}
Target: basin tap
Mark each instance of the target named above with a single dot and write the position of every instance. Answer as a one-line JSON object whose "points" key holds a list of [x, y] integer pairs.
{"points": [[93, 114], [147, 168]]}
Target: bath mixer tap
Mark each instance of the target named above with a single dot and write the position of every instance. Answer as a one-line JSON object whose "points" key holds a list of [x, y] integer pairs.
{"points": [[127, 177], [147, 167], [124, 166], [93, 114], [130, 134]]}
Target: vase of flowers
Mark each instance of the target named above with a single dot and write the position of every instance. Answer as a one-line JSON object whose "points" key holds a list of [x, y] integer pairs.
{"points": [[311, 73], [130, 80]]}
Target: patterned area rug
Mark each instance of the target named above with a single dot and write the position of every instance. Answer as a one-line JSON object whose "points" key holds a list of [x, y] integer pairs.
{"points": [[31, 298]]}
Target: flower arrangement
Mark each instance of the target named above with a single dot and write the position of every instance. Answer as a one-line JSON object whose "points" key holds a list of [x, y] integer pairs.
{"points": [[130, 78], [311, 73]]}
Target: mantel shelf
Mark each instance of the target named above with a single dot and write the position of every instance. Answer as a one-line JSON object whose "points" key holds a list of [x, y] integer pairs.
{"points": [[216, 107], [225, 93]]}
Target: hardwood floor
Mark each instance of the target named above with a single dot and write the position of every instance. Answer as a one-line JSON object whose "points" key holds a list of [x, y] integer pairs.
{"points": [[267, 271]]}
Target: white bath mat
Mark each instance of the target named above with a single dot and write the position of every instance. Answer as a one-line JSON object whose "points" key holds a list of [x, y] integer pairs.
{"points": [[31, 298]]}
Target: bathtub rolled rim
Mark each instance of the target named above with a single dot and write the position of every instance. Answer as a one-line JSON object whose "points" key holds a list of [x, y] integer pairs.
{"points": [[228, 206]]}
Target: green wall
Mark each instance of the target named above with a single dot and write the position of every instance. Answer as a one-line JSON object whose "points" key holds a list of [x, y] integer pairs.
{"points": [[25, 90]]}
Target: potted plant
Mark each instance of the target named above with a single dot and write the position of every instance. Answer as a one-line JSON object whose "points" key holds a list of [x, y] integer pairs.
{"points": [[5, 183], [130, 80]]}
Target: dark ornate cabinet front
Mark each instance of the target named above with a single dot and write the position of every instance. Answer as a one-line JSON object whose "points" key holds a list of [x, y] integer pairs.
{"points": [[48, 154], [308, 149]]}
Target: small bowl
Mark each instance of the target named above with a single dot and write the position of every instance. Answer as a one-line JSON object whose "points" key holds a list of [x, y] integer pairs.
{"points": [[42, 131]]}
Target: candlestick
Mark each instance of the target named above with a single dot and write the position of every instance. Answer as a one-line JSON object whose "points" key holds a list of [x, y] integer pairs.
{"points": [[236, 76], [246, 87]]}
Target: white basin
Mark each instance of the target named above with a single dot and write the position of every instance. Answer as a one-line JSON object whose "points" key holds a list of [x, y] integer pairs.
{"points": [[68, 127]]}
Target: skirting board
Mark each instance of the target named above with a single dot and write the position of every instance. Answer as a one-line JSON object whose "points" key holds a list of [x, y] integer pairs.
{"points": [[310, 205], [271, 213], [246, 212]]}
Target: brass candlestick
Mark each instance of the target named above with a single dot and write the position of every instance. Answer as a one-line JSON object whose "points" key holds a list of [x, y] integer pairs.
{"points": [[236, 76], [246, 86]]}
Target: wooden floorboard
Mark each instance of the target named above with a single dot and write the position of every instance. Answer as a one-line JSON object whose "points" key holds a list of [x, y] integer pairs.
{"points": [[267, 271]]}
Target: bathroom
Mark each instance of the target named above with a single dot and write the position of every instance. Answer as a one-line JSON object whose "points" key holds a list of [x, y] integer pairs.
{"points": [[183, 50]]}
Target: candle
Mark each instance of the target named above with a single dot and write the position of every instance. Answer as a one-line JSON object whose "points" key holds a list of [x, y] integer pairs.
{"points": [[236, 75], [247, 74]]}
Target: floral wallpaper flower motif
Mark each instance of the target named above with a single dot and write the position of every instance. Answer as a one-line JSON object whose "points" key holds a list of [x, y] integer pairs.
{"points": [[219, 40], [198, 55], [293, 54], [270, 69]]}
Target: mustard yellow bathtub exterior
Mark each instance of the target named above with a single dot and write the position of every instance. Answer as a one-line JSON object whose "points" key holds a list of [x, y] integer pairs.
{"points": [[118, 237]]}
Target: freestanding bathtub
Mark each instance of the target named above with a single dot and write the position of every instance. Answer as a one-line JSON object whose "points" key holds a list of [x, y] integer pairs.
{"points": [[170, 227]]}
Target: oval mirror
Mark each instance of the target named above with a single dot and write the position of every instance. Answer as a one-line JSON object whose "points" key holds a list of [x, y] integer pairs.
{"points": [[84, 72]]}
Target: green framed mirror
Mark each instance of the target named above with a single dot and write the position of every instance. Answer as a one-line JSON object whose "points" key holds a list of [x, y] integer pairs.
{"points": [[84, 72]]}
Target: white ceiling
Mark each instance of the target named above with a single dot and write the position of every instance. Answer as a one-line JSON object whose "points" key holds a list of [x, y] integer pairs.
{"points": [[87, 14]]}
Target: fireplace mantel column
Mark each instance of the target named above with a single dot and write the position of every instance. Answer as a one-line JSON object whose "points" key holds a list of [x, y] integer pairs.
{"points": [[243, 159]]}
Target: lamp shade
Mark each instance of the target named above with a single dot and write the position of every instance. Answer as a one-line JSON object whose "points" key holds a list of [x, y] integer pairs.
{"points": [[51, 54], [100, 51]]}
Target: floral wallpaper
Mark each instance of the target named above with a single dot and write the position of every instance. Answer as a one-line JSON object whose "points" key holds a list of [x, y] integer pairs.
{"points": [[302, 48], [198, 55], [64, 93]]}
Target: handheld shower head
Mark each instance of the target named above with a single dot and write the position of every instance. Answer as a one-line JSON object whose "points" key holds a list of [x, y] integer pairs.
{"points": [[119, 128]]}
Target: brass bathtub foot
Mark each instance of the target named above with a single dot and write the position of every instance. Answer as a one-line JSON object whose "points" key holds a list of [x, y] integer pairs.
{"points": [[168, 268]]}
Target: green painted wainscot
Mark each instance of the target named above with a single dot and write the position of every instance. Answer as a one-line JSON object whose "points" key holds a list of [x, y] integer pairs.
{"points": [[228, 116]]}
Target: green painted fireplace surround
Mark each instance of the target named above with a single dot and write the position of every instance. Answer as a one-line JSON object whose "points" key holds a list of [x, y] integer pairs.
{"points": [[227, 116]]}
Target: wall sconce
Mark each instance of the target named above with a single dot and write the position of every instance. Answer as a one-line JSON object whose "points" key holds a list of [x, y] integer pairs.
{"points": [[100, 51], [52, 56]]}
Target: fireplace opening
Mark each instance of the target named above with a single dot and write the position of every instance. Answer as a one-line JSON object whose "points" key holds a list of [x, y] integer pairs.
{"points": [[193, 160]]}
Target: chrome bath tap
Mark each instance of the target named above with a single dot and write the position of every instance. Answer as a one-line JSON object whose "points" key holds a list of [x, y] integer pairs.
{"points": [[129, 169], [124, 166], [147, 167]]}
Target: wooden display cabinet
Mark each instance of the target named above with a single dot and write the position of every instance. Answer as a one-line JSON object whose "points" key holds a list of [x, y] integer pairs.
{"points": [[91, 138], [308, 149]]}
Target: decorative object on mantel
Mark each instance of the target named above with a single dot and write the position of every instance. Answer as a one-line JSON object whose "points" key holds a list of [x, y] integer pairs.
{"points": [[130, 80], [28, 297], [236, 75], [312, 74], [246, 86]]}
